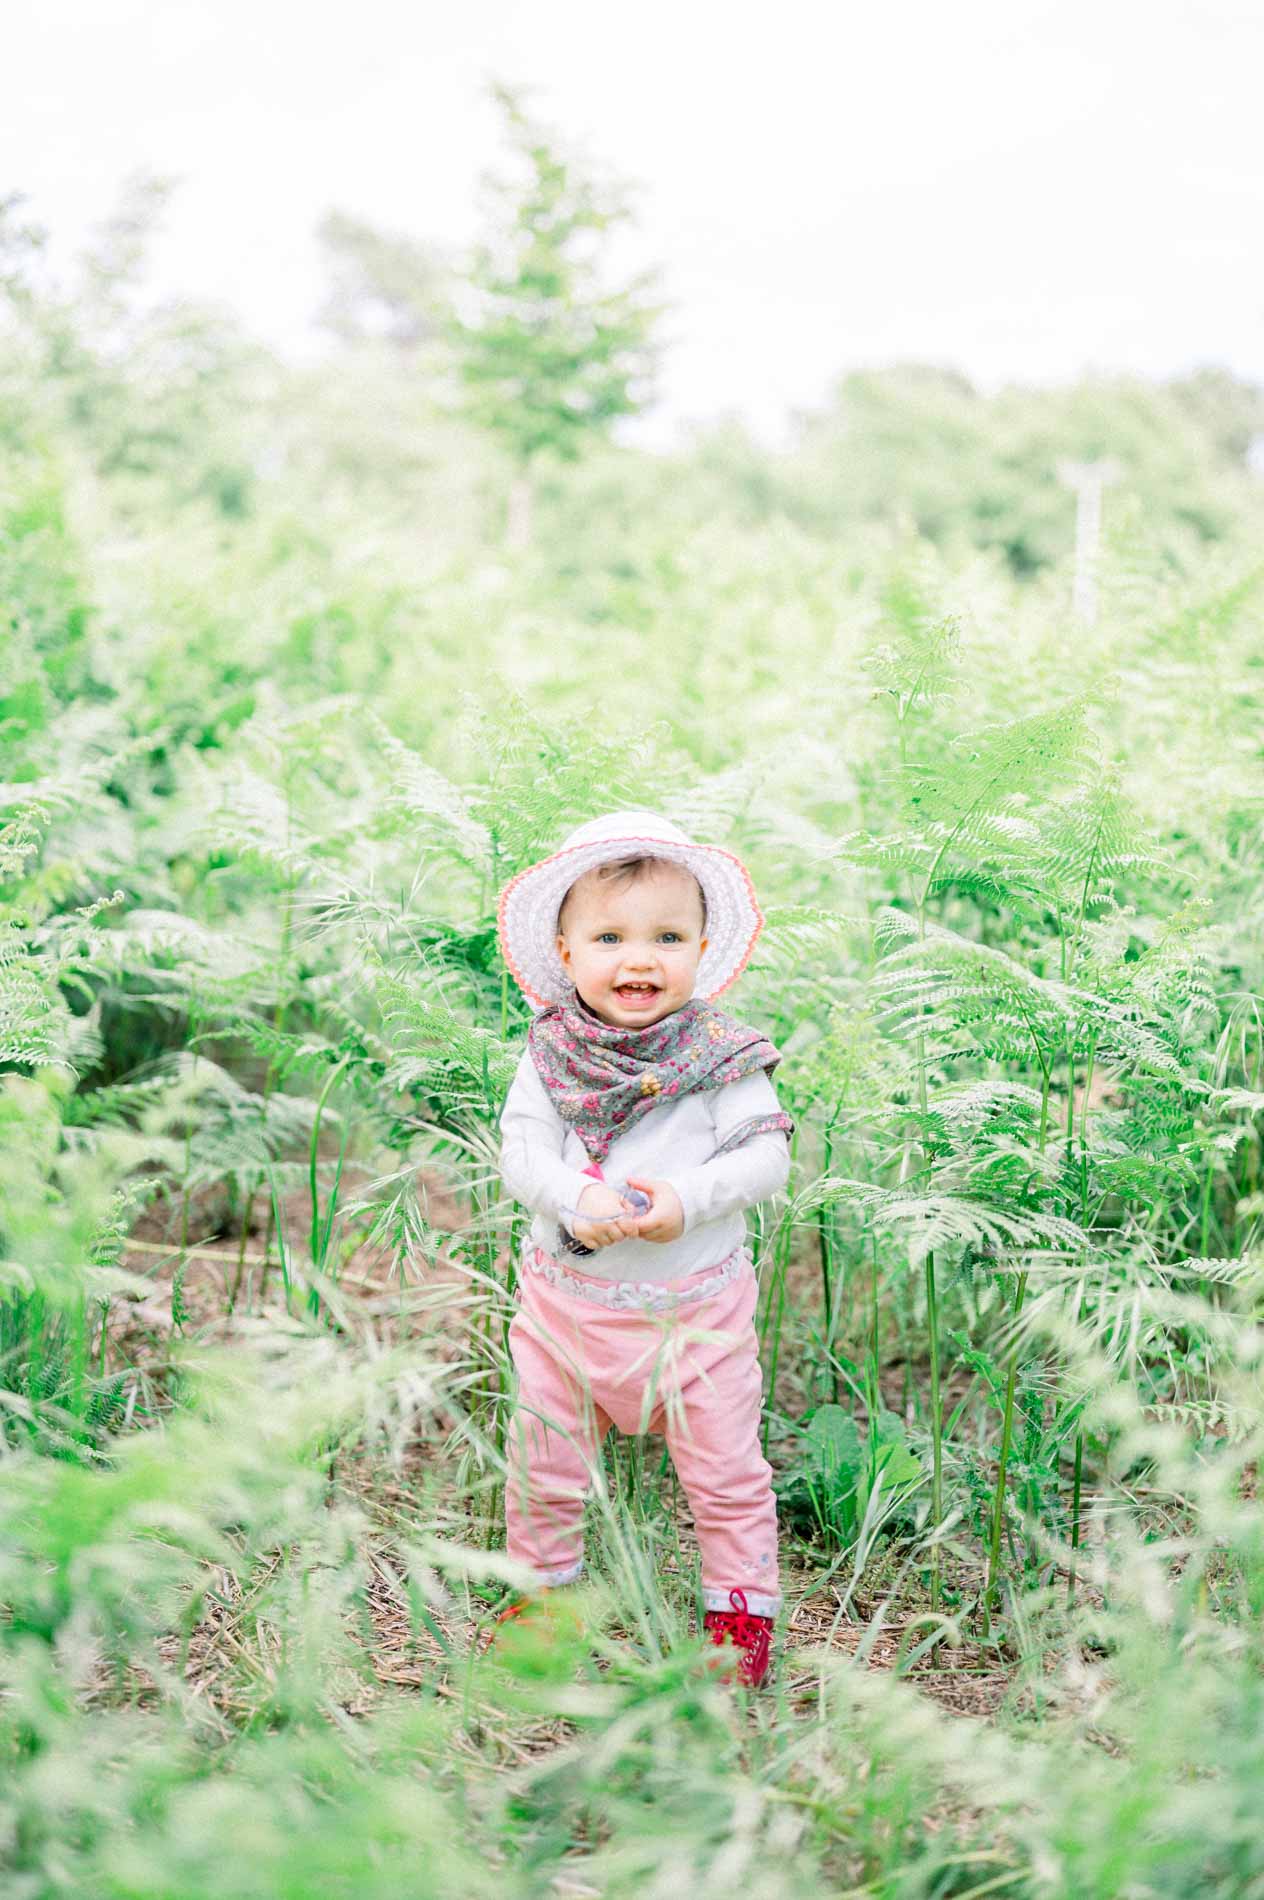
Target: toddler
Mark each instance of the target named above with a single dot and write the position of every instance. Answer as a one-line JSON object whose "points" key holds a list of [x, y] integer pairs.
{"points": [[641, 1123]]}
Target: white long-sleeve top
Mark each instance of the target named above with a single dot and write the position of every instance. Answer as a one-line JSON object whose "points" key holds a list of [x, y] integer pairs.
{"points": [[542, 1161]]}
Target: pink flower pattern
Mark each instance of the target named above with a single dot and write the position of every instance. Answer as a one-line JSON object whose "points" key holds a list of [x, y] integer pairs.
{"points": [[598, 1071]]}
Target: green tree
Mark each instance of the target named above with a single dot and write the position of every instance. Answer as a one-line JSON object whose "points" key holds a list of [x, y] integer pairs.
{"points": [[385, 285], [550, 350], [150, 391]]}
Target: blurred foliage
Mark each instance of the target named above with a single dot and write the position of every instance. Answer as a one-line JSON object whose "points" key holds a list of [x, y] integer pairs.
{"points": [[551, 351], [278, 714]]}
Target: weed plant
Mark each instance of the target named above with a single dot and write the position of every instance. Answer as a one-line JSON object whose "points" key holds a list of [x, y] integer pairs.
{"points": [[254, 1024]]}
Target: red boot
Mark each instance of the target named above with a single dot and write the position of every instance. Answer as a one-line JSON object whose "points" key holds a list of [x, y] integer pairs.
{"points": [[752, 1635]]}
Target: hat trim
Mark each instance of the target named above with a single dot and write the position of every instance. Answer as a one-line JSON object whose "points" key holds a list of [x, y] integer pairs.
{"points": [[555, 857]]}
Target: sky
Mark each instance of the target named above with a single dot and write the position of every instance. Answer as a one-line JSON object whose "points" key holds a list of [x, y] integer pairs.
{"points": [[1022, 189]]}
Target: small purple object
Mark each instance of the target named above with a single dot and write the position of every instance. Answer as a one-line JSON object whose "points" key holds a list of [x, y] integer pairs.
{"points": [[641, 1204]]}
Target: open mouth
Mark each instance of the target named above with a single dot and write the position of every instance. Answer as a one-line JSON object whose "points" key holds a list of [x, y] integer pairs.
{"points": [[637, 995]]}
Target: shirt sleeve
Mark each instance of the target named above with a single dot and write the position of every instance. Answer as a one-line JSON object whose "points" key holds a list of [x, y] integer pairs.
{"points": [[753, 1172], [532, 1135]]}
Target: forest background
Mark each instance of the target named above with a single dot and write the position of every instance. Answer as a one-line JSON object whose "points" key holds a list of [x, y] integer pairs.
{"points": [[300, 664]]}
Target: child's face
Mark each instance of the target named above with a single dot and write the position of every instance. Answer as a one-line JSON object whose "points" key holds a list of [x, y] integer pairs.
{"points": [[644, 933]]}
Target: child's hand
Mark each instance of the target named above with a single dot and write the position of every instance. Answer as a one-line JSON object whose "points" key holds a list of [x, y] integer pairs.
{"points": [[600, 1199], [665, 1219]]}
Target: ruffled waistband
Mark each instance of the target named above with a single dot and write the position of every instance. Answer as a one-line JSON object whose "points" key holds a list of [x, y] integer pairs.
{"points": [[638, 1295]]}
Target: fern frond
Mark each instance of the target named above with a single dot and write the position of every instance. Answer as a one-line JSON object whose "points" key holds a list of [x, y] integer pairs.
{"points": [[984, 772], [543, 776], [931, 1221], [20, 841], [915, 661], [896, 853], [1086, 840], [795, 932], [847, 1069], [1127, 1043], [714, 804], [461, 1068], [1249, 1102], [892, 929], [84, 769], [969, 1106], [945, 985], [36, 1025], [439, 811]]}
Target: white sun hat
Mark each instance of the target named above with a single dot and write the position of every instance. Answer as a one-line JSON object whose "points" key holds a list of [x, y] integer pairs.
{"points": [[526, 917]]}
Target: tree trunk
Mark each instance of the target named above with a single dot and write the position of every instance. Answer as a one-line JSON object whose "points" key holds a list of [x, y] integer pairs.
{"points": [[521, 507]]}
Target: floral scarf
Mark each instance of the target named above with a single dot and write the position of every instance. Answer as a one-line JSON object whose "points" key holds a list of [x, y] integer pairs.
{"points": [[602, 1077]]}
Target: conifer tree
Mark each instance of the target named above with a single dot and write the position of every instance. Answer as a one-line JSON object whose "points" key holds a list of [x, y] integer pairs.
{"points": [[551, 352]]}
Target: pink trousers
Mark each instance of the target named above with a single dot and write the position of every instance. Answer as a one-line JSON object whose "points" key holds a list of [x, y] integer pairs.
{"points": [[688, 1370]]}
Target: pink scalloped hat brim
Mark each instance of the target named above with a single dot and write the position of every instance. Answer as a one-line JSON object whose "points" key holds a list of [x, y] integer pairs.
{"points": [[534, 870]]}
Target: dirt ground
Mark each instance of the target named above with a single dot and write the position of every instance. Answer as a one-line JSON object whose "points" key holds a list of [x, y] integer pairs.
{"points": [[425, 1302]]}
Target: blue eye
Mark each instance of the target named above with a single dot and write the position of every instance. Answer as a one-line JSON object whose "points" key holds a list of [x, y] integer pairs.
{"points": [[612, 936]]}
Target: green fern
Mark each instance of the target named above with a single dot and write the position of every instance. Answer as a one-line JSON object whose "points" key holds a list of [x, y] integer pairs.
{"points": [[926, 1222]]}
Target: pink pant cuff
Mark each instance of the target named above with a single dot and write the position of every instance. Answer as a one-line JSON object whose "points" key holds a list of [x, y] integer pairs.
{"points": [[554, 1579]]}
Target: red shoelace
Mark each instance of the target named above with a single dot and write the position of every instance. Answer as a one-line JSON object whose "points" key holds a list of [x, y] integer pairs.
{"points": [[750, 1633]]}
